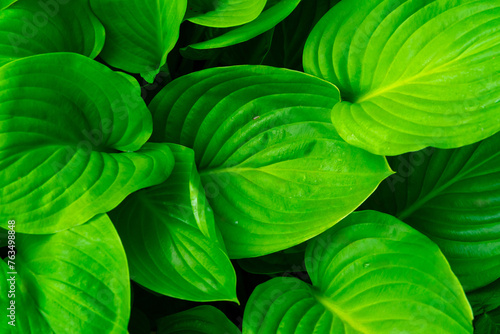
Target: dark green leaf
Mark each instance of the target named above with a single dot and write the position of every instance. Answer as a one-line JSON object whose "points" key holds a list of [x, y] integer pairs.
{"points": [[453, 197], [291, 34], [286, 261], [199, 320]]}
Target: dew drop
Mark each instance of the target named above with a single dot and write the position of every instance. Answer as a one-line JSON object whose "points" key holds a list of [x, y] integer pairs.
{"points": [[366, 265], [236, 222]]}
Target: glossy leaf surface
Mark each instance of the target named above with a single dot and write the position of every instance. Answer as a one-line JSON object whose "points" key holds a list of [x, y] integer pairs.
{"points": [[77, 278], [411, 73], [453, 197], [224, 13], [270, 17], [170, 237], [31, 27], [274, 169], [68, 129], [370, 274], [139, 33]]}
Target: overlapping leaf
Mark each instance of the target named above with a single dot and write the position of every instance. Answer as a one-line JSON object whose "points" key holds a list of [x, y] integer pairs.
{"points": [[411, 73], [30, 27], [75, 279], [452, 196], [274, 169], [171, 240], [201, 319], [274, 13], [63, 121], [224, 13], [139, 33], [371, 273]]}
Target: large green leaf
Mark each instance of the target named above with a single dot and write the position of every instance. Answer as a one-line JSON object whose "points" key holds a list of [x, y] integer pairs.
{"points": [[370, 274], [412, 73], [63, 121], [69, 281], [274, 169], [170, 237], [202, 319], [485, 303], [223, 13], [452, 196], [274, 13], [30, 27], [139, 33]]}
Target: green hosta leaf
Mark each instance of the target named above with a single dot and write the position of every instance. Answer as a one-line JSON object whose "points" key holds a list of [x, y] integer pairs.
{"points": [[370, 274], [202, 319], [171, 240], [411, 73], [30, 27], [274, 169], [139, 33], [486, 305], [291, 34], [75, 279], [63, 120], [452, 196], [223, 13], [271, 16]]}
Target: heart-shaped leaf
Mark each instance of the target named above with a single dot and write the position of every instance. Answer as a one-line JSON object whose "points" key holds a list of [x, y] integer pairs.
{"points": [[223, 13], [274, 169], [411, 73], [274, 13], [139, 33], [171, 240], [75, 279], [63, 120], [453, 197], [201, 319], [32, 27], [371, 273]]}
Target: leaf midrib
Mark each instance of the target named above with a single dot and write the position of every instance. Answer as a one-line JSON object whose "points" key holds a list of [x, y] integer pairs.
{"points": [[343, 316], [408, 211], [381, 90], [235, 170]]}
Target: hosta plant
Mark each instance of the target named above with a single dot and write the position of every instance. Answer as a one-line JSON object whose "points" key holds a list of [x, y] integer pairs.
{"points": [[244, 166]]}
